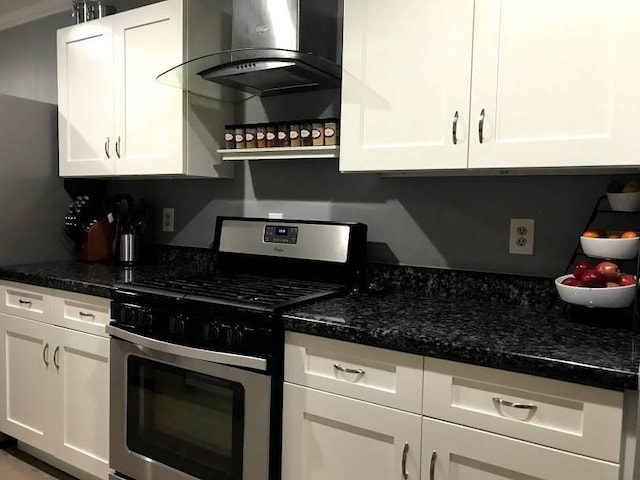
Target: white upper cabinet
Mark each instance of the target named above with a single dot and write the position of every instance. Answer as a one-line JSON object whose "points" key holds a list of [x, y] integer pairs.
{"points": [[115, 117], [406, 70], [557, 81], [545, 84]]}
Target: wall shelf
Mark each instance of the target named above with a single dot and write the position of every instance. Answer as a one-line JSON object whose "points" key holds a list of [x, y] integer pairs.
{"points": [[280, 153]]}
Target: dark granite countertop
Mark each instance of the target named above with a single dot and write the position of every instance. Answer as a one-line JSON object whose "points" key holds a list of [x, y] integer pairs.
{"points": [[425, 313], [534, 339]]}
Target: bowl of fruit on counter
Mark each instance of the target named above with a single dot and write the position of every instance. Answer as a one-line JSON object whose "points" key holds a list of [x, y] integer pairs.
{"points": [[621, 245], [597, 285], [624, 196]]}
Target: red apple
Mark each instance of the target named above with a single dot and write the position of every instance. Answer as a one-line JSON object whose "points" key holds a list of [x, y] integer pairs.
{"points": [[608, 270], [571, 281], [627, 279], [581, 267], [591, 278]]}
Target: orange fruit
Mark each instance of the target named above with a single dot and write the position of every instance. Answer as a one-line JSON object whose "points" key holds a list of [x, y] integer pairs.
{"points": [[593, 234], [629, 234]]}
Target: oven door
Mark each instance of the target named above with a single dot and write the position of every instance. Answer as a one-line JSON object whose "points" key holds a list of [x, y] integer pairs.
{"points": [[179, 416]]}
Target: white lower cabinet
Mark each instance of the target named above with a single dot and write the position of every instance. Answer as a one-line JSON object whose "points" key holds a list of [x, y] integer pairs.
{"points": [[475, 423], [328, 436], [55, 391], [456, 452]]}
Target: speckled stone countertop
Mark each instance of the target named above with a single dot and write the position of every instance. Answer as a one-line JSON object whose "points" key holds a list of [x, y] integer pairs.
{"points": [[507, 322]]}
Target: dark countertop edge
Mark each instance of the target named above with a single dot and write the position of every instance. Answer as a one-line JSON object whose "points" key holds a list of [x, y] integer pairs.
{"points": [[76, 286], [485, 357]]}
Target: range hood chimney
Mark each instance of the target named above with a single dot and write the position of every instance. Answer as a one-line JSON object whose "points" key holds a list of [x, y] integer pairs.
{"points": [[278, 46]]}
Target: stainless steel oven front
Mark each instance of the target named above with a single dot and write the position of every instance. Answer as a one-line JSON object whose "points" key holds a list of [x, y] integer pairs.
{"points": [[183, 413]]}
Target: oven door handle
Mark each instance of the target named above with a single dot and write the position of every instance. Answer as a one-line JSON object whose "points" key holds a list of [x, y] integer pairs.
{"points": [[230, 359]]}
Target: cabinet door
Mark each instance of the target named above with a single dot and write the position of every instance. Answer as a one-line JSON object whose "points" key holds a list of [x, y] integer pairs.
{"points": [[406, 75], [557, 81], [149, 115], [327, 436], [454, 452], [85, 99], [26, 400], [80, 365]]}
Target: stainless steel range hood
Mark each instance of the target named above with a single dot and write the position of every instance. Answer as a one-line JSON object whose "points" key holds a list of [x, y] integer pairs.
{"points": [[278, 46]]}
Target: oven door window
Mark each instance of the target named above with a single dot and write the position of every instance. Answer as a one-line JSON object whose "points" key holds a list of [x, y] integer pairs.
{"points": [[186, 420]]}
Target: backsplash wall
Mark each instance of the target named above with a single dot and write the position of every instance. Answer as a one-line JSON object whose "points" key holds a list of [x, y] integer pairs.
{"points": [[443, 222]]}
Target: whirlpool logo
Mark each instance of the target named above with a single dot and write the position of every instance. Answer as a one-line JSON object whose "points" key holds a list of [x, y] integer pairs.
{"points": [[278, 249], [262, 29]]}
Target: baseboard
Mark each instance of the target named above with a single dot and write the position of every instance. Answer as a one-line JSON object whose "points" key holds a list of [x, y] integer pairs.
{"points": [[7, 442]]}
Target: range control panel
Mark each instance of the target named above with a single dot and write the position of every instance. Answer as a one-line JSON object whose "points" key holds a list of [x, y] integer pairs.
{"points": [[281, 234]]}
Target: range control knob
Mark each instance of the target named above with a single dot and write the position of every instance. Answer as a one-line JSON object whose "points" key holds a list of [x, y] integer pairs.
{"points": [[177, 325], [237, 336], [211, 332], [144, 319], [128, 315]]}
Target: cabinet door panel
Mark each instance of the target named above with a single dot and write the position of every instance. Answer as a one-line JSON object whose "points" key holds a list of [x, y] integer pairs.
{"points": [[406, 70], [82, 422], [463, 453], [26, 403], [327, 436], [85, 100], [149, 115], [552, 78]]}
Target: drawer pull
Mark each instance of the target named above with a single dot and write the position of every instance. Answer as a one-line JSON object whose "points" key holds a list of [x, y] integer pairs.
{"points": [[405, 450], [522, 406], [432, 466], [83, 314], [28, 303], [355, 371]]}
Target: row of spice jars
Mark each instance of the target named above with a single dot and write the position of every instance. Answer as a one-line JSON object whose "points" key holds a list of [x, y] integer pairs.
{"points": [[301, 133]]}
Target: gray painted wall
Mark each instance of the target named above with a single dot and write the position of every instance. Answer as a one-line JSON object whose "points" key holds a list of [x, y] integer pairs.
{"points": [[447, 222], [31, 194]]}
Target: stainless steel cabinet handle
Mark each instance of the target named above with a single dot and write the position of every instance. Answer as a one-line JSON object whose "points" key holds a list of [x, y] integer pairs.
{"points": [[481, 126], [56, 353], [405, 450], [25, 302], [355, 371], [506, 403], [118, 147], [454, 130], [45, 354], [83, 314], [107, 147], [432, 466]]}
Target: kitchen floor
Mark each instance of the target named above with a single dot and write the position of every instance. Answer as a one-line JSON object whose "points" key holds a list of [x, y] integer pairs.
{"points": [[17, 465]]}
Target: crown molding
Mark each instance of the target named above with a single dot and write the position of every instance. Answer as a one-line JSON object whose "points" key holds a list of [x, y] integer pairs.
{"points": [[27, 14]]}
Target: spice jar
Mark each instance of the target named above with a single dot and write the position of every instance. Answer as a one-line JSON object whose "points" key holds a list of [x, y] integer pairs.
{"points": [[272, 135], [229, 136], [283, 135], [261, 135], [250, 136], [305, 133], [294, 134], [317, 133], [239, 136], [331, 131]]}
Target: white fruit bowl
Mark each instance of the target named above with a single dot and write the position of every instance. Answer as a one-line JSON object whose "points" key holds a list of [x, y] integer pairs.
{"points": [[613, 297], [612, 248], [624, 202]]}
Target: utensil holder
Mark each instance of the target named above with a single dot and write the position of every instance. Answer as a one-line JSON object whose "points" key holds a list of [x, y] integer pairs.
{"points": [[128, 248]]}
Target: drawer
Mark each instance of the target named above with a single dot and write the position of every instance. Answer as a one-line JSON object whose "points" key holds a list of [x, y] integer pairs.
{"points": [[26, 301], [384, 377], [84, 313], [567, 416]]}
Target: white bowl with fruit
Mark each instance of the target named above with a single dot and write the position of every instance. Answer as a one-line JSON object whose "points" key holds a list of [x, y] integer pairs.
{"points": [[612, 245], [602, 285], [624, 197]]}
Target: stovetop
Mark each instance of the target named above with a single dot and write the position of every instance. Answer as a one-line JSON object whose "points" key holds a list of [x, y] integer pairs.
{"points": [[246, 291]]}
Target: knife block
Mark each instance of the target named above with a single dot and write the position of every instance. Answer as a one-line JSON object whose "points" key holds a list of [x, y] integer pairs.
{"points": [[98, 243]]}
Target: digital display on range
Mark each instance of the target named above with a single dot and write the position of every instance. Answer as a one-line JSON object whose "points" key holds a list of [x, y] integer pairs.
{"points": [[281, 234]]}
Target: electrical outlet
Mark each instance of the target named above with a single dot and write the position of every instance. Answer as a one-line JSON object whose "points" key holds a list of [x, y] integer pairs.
{"points": [[167, 219], [521, 235]]}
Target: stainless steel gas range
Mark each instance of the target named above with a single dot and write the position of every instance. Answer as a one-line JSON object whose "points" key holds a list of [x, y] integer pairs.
{"points": [[197, 363]]}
